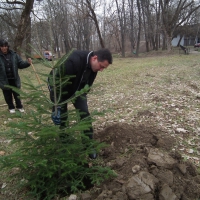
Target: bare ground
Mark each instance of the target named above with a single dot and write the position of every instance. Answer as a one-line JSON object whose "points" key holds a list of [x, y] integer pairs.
{"points": [[153, 130], [147, 167]]}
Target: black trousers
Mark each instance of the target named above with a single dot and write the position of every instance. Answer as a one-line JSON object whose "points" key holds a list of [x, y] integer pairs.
{"points": [[10, 94], [81, 105]]}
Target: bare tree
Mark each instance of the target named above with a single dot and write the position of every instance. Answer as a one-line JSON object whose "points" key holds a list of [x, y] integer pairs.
{"points": [[67, 24], [139, 28], [8, 24], [146, 16], [175, 13], [24, 21], [122, 23], [64, 11], [93, 16], [132, 17], [151, 23]]}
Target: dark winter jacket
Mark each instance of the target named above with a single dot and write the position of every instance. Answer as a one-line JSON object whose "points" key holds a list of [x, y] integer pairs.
{"points": [[17, 63], [77, 66]]}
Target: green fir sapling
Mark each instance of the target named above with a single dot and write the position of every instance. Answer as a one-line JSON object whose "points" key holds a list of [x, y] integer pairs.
{"points": [[51, 165]]}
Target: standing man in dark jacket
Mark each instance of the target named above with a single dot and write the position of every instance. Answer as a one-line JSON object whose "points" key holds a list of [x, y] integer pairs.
{"points": [[81, 68], [10, 62]]}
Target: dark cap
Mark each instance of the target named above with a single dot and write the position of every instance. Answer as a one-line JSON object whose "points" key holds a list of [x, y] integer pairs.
{"points": [[3, 43]]}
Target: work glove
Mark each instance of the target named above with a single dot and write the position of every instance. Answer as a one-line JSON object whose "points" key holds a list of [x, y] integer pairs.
{"points": [[56, 118]]}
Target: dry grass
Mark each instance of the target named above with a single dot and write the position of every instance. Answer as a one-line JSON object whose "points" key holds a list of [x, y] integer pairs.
{"points": [[162, 90]]}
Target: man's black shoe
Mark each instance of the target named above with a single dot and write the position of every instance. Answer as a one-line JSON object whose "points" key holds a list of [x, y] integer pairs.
{"points": [[93, 155]]}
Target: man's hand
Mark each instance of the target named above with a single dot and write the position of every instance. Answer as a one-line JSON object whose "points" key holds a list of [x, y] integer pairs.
{"points": [[56, 118], [29, 61]]}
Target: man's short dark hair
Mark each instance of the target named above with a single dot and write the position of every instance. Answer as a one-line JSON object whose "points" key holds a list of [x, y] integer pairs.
{"points": [[3, 43], [103, 54]]}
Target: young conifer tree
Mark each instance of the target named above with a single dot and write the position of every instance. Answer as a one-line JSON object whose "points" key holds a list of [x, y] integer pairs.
{"points": [[52, 162]]}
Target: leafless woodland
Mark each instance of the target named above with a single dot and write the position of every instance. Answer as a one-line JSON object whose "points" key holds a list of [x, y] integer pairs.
{"points": [[120, 25]]}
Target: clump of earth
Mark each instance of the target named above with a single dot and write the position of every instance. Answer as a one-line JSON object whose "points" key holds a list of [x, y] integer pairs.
{"points": [[147, 166]]}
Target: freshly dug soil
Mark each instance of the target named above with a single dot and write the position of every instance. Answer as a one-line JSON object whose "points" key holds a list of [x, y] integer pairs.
{"points": [[147, 166]]}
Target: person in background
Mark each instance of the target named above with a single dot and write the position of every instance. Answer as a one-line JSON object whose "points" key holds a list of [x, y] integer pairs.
{"points": [[82, 67], [10, 62]]}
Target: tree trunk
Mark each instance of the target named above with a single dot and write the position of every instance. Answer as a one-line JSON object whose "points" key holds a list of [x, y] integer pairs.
{"points": [[174, 13], [131, 26], [164, 42], [93, 16], [23, 25], [28, 40], [169, 45], [139, 29], [122, 22], [145, 26]]}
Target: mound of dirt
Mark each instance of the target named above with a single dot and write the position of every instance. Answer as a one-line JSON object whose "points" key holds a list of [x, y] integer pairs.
{"points": [[146, 165]]}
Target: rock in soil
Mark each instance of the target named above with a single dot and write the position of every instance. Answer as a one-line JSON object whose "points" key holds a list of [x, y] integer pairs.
{"points": [[147, 167]]}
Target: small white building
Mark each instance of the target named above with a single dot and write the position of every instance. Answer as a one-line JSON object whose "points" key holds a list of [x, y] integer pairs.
{"points": [[186, 35], [176, 40]]}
